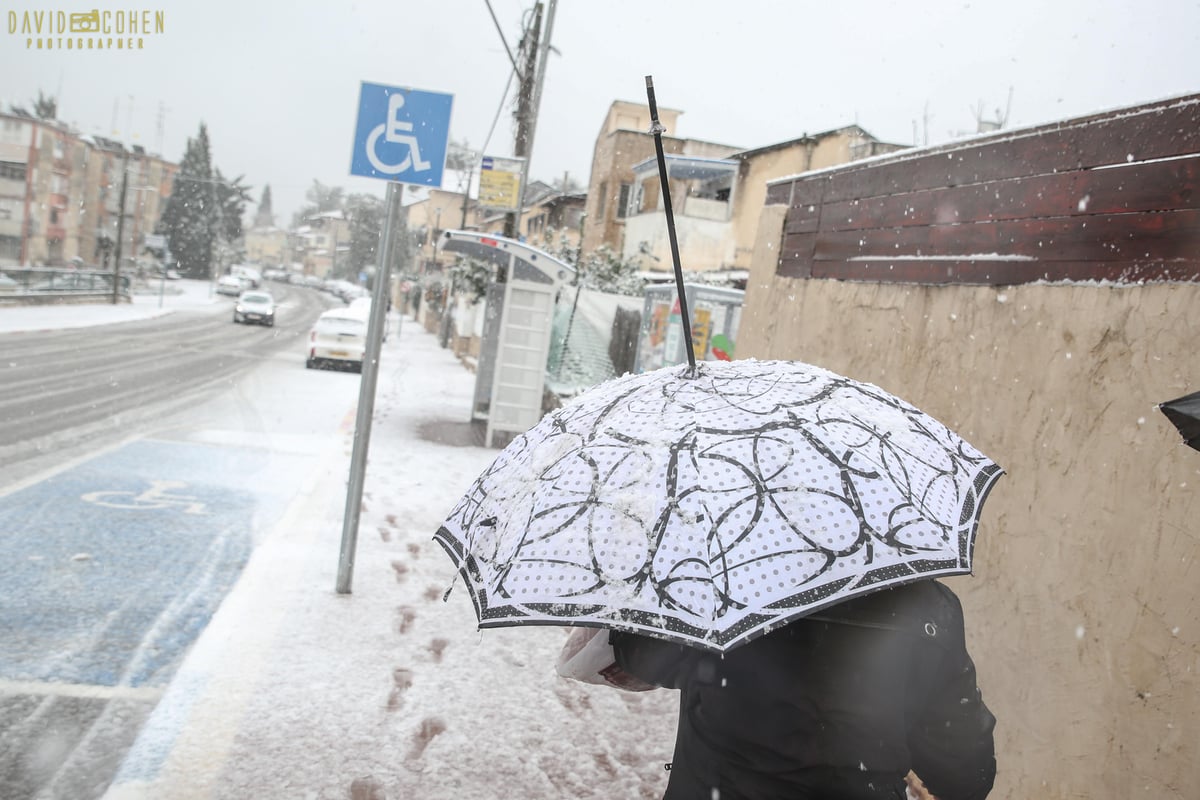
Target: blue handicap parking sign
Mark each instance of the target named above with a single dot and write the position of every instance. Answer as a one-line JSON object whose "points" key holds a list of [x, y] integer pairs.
{"points": [[401, 134]]}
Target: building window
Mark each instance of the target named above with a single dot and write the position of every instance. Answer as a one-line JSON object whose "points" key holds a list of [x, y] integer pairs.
{"points": [[10, 248], [623, 196], [602, 202], [12, 170]]}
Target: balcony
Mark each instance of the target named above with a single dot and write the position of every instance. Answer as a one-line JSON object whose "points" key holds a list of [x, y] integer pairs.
{"points": [[702, 205]]}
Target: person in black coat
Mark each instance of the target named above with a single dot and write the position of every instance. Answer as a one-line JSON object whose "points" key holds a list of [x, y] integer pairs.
{"points": [[840, 705]]}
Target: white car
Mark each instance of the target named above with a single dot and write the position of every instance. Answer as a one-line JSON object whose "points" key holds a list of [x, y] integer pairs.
{"points": [[255, 306], [362, 305], [230, 285], [250, 275], [339, 337]]}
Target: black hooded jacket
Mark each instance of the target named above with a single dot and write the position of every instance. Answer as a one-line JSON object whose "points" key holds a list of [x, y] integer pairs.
{"points": [[838, 706]]}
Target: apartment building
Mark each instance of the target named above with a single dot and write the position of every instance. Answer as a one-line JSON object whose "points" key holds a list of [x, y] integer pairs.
{"points": [[60, 193], [267, 245], [551, 219], [322, 243], [437, 210]]}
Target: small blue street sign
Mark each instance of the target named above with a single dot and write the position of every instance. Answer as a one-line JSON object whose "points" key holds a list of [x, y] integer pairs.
{"points": [[401, 134]]}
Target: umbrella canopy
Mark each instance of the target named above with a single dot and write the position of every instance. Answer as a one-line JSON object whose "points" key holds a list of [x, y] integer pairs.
{"points": [[1184, 413], [710, 504]]}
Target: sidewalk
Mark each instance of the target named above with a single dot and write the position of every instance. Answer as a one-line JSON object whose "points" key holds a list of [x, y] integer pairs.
{"points": [[294, 691]]}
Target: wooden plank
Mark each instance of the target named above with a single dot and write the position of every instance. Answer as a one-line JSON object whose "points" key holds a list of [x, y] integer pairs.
{"points": [[1102, 237], [808, 191], [1001, 273], [779, 194], [796, 255], [1171, 184], [804, 213], [803, 219]]}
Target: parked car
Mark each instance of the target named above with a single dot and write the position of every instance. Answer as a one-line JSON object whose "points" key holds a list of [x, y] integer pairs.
{"points": [[249, 274], [339, 337], [255, 306], [362, 306], [230, 285]]}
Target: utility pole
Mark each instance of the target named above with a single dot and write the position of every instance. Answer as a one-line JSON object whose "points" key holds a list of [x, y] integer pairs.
{"points": [[116, 289], [333, 273], [525, 118]]}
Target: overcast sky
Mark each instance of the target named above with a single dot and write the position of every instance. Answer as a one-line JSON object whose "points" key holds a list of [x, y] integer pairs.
{"points": [[277, 81]]}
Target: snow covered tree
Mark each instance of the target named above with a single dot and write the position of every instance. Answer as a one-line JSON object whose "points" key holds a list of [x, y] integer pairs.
{"points": [[365, 214], [232, 197], [45, 106], [320, 198], [265, 217], [190, 219], [603, 269]]}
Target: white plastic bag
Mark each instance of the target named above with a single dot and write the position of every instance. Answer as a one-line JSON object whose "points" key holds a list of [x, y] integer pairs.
{"points": [[588, 657]]}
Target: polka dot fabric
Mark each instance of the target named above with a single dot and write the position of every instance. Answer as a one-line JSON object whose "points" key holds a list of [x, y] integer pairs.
{"points": [[711, 508]]}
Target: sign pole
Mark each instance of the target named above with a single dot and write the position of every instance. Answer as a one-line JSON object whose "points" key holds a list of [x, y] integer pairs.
{"points": [[401, 136], [366, 394]]}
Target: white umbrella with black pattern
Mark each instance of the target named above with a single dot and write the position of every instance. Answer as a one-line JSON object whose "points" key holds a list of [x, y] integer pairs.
{"points": [[712, 504]]}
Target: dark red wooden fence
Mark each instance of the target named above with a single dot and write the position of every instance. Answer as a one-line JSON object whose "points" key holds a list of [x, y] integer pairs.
{"points": [[1113, 196]]}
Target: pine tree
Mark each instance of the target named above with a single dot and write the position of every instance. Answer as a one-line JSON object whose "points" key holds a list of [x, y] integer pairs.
{"points": [[233, 196], [45, 107], [190, 219], [265, 217]]}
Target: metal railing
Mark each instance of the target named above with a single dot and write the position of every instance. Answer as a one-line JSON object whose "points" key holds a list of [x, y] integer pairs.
{"points": [[46, 281]]}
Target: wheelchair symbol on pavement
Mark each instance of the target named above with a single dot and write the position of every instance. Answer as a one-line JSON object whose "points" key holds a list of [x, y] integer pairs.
{"points": [[155, 497], [401, 134], [397, 132]]}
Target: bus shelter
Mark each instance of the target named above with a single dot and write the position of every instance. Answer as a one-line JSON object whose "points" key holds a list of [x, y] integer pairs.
{"points": [[510, 379]]}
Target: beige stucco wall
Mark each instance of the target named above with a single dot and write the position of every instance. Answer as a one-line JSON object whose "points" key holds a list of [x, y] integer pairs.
{"points": [[1082, 613]]}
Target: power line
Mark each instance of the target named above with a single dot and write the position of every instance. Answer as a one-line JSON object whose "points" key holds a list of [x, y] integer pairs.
{"points": [[507, 49]]}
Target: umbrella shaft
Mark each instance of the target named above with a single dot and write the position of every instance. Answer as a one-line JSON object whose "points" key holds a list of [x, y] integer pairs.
{"points": [[657, 129]]}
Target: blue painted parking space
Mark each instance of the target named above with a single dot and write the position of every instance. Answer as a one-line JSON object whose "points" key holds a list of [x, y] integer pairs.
{"points": [[113, 567]]}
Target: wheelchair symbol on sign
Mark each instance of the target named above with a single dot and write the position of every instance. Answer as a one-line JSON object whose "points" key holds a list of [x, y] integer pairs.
{"points": [[395, 131], [155, 497]]}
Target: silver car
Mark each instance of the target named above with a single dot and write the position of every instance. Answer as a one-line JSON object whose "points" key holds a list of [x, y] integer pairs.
{"points": [[255, 306]]}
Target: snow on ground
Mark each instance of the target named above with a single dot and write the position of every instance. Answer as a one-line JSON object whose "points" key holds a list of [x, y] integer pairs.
{"points": [[295, 691], [152, 301]]}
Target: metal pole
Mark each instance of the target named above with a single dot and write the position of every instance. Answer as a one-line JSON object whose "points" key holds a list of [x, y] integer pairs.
{"points": [[116, 293], [656, 128], [366, 395]]}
